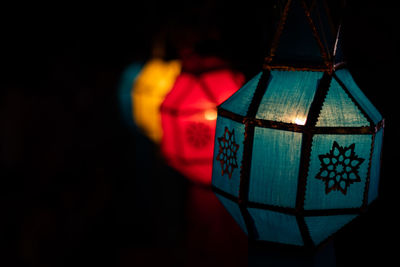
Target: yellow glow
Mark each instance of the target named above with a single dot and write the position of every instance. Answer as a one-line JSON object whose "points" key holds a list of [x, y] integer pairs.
{"points": [[149, 90], [300, 120], [210, 114]]}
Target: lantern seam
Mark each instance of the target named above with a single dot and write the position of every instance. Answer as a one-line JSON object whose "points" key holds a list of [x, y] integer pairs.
{"points": [[331, 236], [316, 35], [297, 67], [304, 232], [291, 211], [245, 178], [179, 98], [246, 162], [307, 138], [245, 166], [355, 102], [205, 88], [285, 126], [224, 194], [295, 248], [368, 179], [381, 152], [305, 154], [288, 210], [249, 136]]}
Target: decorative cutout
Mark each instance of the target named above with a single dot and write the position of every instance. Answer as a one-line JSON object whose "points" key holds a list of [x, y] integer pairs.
{"points": [[339, 168], [227, 152], [198, 134]]}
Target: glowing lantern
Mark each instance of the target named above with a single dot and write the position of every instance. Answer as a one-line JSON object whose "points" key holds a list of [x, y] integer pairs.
{"points": [[153, 83], [189, 115], [297, 149], [128, 77]]}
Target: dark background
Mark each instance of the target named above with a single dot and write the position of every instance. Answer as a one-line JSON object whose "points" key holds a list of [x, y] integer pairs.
{"points": [[77, 187]]}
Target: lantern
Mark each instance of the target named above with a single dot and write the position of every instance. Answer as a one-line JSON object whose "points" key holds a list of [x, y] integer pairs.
{"points": [[297, 149], [128, 77], [153, 83], [189, 115]]}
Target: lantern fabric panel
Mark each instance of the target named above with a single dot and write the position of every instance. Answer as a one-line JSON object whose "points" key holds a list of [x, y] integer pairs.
{"points": [[234, 210], [276, 227], [154, 82], [195, 98], [322, 227], [198, 134], [375, 167], [223, 178], [189, 118], [337, 174], [366, 105], [128, 78], [288, 96], [224, 79], [188, 133], [239, 101], [273, 151], [339, 110]]}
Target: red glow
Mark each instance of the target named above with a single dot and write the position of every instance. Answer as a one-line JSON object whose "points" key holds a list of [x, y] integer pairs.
{"points": [[188, 116]]}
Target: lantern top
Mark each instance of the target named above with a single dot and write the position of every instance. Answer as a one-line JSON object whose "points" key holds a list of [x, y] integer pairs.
{"points": [[306, 38], [286, 107]]}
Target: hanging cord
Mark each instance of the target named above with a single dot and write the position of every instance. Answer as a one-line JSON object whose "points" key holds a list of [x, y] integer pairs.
{"points": [[338, 36]]}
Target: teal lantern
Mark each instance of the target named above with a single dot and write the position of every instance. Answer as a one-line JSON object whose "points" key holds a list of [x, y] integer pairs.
{"points": [[125, 86], [297, 149]]}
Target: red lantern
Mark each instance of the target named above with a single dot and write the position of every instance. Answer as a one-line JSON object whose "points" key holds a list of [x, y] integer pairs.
{"points": [[189, 114]]}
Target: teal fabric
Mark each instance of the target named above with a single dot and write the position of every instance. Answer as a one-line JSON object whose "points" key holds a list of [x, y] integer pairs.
{"points": [[223, 182], [239, 102], [124, 92], [297, 42], [345, 76], [339, 110], [316, 197], [321, 228], [234, 211], [271, 181], [275, 163], [289, 96], [276, 227], [375, 167]]}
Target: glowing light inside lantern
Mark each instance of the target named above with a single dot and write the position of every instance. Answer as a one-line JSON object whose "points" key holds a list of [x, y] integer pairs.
{"points": [[210, 114], [300, 120]]}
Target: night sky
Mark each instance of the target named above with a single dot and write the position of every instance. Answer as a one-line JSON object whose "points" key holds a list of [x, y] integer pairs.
{"points": [[79, 188]]}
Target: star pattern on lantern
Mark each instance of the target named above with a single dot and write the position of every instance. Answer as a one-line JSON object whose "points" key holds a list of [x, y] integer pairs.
{"points": [[198, 134], [227, 152], [339, 168]]}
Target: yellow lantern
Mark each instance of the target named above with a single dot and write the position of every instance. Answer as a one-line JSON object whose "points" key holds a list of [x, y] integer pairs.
{"points": [[149, 90]]}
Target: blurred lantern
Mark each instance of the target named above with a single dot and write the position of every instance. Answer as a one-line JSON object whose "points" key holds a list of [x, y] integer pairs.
{"points": [[189, 114], [128, 77], [155, 80], [297, 149]]}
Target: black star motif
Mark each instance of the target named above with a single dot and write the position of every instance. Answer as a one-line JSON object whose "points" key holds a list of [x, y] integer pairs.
{"points": [[227, 152], [339, 168]]}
